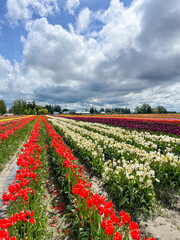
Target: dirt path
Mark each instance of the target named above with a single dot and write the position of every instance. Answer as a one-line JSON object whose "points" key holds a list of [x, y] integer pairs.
{"points": [[7, 175], [164, 226], [56, 205]]}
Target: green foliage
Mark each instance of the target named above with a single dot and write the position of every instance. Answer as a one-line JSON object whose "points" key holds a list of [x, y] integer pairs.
{"points": [[42, 111], [159, 109], [91, 110], [19, 106], [2, 107], [145, 108], [26, 112], [102, 110], [51, 109], [121, 110], [34, 111], [65, 109], [117, 110], [38, 107], [137, 109], [31, 105], [31, 108]]}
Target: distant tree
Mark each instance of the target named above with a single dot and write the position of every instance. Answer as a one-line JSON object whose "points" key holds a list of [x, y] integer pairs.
{"points": [[19, 106], [121, 110], [146, 108], [26, 112], [31, 105], [22, 107], [155, 110], [37, 108], [31, 111], [57, 108], [16, 106], [161, 109], [42, 111], [34, 111], [65, 109], [102, 110], [128, 110], [11, 110], [116, 110], [137, 109], [95, 110], [2, 107], [124, 110], [34, 104], [49, 108], [91, 110], [107, 110]]}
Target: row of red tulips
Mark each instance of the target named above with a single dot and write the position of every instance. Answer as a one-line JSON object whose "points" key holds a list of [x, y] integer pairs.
{"points": [[11, 124], [7, 133], [6, 121], [25, 193], [96, 217]]}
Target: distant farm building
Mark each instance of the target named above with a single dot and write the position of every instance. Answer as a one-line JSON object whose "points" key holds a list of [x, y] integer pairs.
{"points": [[82, 112], [55, 113], [8, 114]]}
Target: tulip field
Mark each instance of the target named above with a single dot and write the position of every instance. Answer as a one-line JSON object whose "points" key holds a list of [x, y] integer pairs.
{"points": [[137, 161], [12, 131], [168, 126]]}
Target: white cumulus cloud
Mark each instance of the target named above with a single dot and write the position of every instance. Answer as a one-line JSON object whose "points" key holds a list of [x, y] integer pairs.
{"points": [[129, 60], [22, 10], [83, 20], [71, 6]]}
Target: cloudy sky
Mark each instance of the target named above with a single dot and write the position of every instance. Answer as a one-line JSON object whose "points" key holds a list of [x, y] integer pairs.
{"points": [[82, 53]]}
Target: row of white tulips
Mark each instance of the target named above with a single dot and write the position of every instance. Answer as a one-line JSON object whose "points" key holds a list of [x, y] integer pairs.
{"points": [[129, 170], [133, 169], [145, 155]]}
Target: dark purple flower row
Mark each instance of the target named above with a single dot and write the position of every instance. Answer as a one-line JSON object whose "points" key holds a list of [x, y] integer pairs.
{"points": [[134, 124]]}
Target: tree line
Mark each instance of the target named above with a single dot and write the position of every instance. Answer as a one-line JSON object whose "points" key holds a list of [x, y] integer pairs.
{"points": [[93, 110], [21, 107], [146, 108]]}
